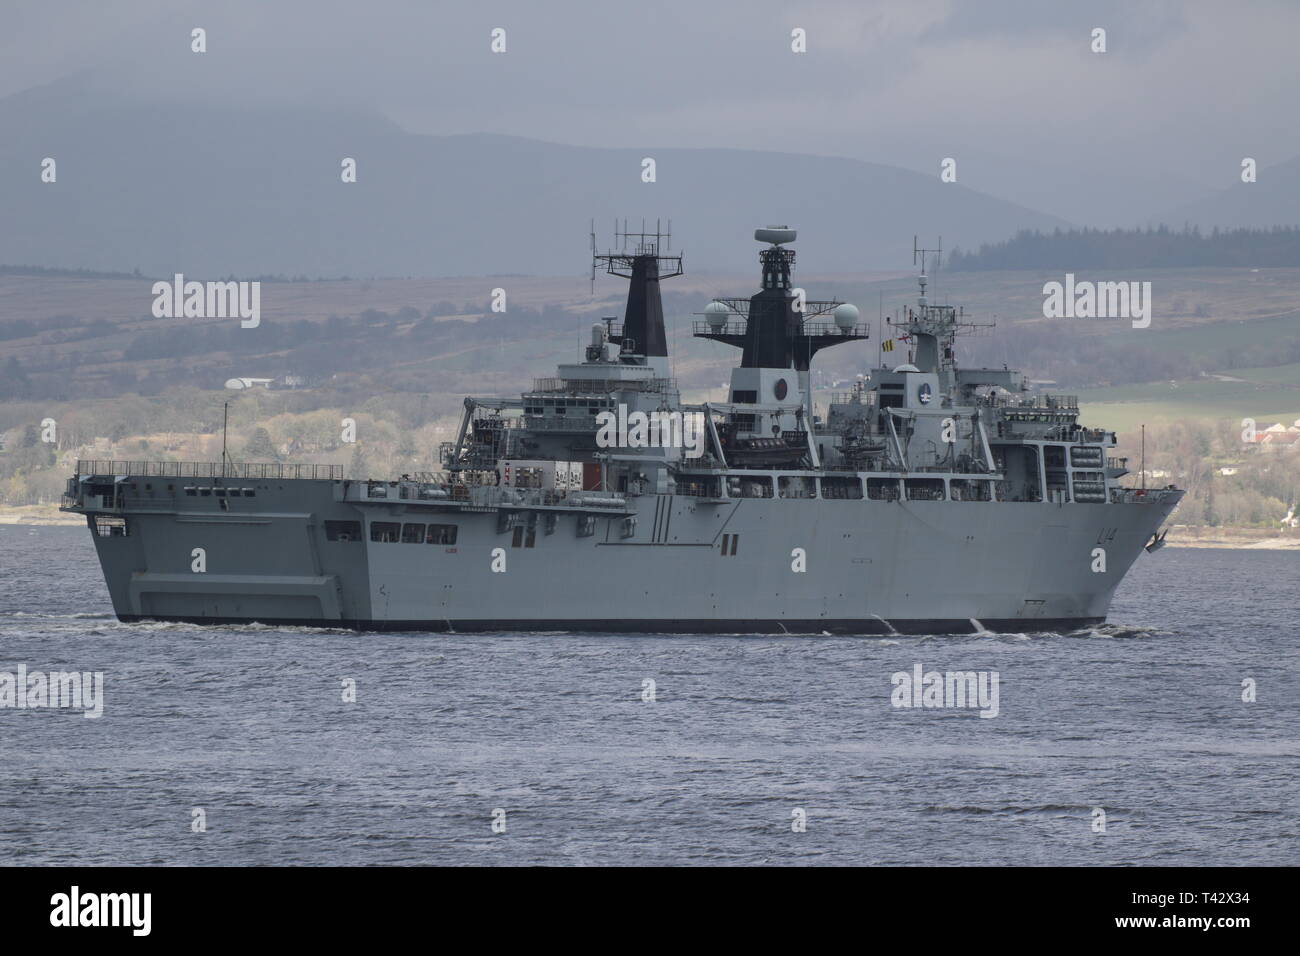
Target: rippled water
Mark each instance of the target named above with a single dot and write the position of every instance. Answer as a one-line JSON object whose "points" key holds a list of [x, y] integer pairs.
{"points": [[1142, 718]]}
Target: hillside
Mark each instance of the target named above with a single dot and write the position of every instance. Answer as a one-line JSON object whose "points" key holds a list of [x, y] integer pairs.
{"points": [[64, 339], [1271, 200], [258, 191]]}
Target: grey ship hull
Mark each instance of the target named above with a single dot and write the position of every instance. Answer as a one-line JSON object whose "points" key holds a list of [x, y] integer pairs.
{"points": [[685, 565]]}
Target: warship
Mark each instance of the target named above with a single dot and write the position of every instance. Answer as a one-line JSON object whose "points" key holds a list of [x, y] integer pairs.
{"points": [[928, 499]]}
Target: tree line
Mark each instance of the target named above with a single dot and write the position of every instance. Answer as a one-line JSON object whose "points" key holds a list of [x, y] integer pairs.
{"points": [[1120, 249]]}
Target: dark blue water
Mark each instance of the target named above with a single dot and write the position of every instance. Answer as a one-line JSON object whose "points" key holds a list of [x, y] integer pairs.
{"points": [[1142, 718]]}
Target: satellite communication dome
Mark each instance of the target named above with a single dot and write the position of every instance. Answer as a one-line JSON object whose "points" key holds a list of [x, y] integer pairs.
{"points": [[235, 383], [907, 368], [846, 316], [717, 315], [775, 235]]}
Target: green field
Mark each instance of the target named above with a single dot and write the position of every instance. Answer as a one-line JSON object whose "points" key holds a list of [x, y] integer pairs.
{"points": [[1276, 375], [1265, 394]]}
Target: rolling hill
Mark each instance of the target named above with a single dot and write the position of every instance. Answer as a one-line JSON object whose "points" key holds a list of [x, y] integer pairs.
{"points": [[194, 186]]}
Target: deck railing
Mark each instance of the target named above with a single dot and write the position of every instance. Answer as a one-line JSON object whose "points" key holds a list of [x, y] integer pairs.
{"points": [[206, 469], [600, 386]]}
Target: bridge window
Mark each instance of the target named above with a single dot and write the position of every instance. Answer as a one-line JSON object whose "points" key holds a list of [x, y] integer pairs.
{"points": [[385, 531], [412, 533]]}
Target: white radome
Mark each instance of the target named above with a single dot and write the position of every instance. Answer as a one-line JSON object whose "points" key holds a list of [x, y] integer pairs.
{"points": [[846, 316], [717, 314]]}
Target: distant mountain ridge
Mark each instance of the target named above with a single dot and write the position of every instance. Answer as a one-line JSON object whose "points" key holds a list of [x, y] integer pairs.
{"points": [[207, 189], [1272, 200]]}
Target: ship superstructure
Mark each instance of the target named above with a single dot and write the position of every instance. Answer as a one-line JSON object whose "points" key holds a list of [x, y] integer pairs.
{"points": [[930, 498]]}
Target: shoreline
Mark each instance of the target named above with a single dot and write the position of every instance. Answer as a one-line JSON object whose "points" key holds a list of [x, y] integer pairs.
{"points": [[39, 516], [1180, 536], [1236, 539]]}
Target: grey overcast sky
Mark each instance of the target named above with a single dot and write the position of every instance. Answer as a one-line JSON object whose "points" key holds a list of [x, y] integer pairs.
{"points": [[1009, 88]]}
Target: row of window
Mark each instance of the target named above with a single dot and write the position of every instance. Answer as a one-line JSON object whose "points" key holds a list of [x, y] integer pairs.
{"points": [[192, 491], [593, 406], [412, 532], [835, 487], [1045, 417]]}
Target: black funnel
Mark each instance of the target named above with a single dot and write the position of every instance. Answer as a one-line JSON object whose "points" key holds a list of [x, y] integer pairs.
{"points": [[643, 322], [773, 328]]}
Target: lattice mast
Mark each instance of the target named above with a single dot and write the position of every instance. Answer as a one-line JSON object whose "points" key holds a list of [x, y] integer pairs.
{"points": [[932, 329]]}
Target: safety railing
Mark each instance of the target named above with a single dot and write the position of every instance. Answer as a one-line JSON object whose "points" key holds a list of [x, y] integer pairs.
{"points": [[207, 469]]}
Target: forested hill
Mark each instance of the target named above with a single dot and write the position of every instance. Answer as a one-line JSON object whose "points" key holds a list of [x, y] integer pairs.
{"points": [[1152, 248]]}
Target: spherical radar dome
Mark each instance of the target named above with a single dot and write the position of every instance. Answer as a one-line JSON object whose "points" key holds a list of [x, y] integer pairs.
{"points": [[846, 316], [717, 314]]}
